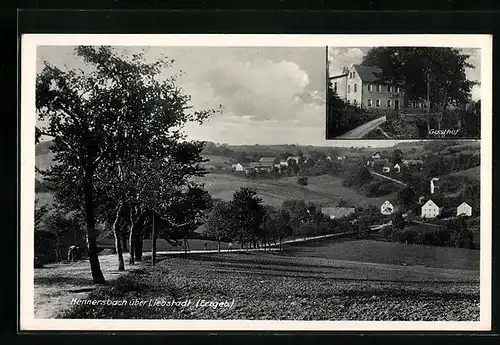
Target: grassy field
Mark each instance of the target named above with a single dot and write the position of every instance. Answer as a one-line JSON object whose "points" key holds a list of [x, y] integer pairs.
{"points": [[296, 284], [472, 173], [324, 190]]}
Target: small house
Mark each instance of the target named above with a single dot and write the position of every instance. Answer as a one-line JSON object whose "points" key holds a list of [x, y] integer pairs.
{"points": [[294, 158], [464, 209], [283, 163], [337, 212], [376, 155], [379, 164], [237, 167], [397, 168], [386, 169], [430, 209], [387, 208], [434, 185]]}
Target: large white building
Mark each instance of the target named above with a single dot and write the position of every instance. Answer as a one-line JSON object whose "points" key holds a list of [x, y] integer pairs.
{"points": [[430, 209], [363, 86]]}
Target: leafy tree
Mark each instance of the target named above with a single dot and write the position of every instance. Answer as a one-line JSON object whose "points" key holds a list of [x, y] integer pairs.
{"points": [[277, 225], [119, 107], [302, 180], [397, 156], [218, 224], [247, 214], [406, 196], [434, 74]]}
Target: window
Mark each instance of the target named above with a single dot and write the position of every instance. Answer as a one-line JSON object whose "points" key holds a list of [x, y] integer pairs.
{"points": [[370, 87], [398, 89], [378, 88], [355, 87], [388, 103], [353, 74], [369, 102], [377, 102], [389, 88], [348, 88]]}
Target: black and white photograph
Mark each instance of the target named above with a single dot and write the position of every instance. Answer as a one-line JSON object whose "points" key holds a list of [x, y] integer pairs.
{"points": [[403, 93], [192, 187]]}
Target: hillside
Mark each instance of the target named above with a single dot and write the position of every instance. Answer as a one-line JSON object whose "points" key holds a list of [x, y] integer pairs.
{"points": [[324, 190]]}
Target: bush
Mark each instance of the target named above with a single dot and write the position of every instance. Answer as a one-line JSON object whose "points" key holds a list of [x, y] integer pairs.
{"points": [[302, 181]]}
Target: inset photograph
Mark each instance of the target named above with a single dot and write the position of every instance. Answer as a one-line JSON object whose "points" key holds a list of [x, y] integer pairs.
{"points": [[403, 93]]}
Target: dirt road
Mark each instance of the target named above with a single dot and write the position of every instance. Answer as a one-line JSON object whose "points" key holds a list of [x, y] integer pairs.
{"points": [[364, 129]]}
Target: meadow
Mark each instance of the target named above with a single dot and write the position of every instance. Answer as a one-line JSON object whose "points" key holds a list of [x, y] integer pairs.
{"points": [[298, 284], [326, 190]]}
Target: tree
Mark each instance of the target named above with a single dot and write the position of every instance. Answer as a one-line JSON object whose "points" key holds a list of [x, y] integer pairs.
{"points": [[218, 224], [397, 156], [277, 225], [118, 108], [302, 180], [434, 74], [246, 214], [406, 196]]}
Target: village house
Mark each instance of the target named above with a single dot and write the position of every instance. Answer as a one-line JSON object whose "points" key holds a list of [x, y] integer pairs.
{"points": [[397, 168], [364, 87], [267, 163], [387, 208], [434, 185], [283, 163], [337, 212], [464, 209], [386, 169], [376, 155], [379, 164], [295, 158], [430, 210], [237, 167]]}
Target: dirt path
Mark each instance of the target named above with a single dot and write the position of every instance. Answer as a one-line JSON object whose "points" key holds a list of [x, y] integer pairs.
{"points": [[57, 284], [364, 129]]}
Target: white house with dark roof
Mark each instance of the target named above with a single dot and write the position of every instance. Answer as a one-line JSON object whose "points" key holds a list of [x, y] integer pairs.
{"points": [[364, 86], [464, 209], [430, 209]]}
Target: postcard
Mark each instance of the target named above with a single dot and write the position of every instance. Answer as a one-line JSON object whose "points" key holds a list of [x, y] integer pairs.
{"points": [[256, 182]]}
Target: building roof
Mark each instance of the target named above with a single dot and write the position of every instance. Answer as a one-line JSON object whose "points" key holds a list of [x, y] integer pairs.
{"points": [[337, 212], [254, 164], [268, 160], [370, 74], [339, 76], [412, 161], [465, 204]]}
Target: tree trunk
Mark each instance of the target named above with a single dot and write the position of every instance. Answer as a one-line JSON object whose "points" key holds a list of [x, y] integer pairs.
{"points": [[153, 238], [445, 103], [131, 244], [123, 238], [428, 104], [138, 247], [95, 267], [118, 244]]}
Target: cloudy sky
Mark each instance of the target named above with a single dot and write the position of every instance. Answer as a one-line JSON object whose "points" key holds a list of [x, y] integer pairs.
{"points": [[340, 57], [270, 95]]}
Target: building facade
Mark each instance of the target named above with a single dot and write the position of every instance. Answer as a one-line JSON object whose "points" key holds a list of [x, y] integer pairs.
{"points": [[464, 209], [387, 208], [430, 210], [363, 86]]}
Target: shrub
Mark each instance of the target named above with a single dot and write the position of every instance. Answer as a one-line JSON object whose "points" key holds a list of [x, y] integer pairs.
{"points": [[302, 181]]}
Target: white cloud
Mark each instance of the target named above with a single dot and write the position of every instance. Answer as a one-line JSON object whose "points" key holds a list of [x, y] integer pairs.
{"points": [[343, 57]]}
